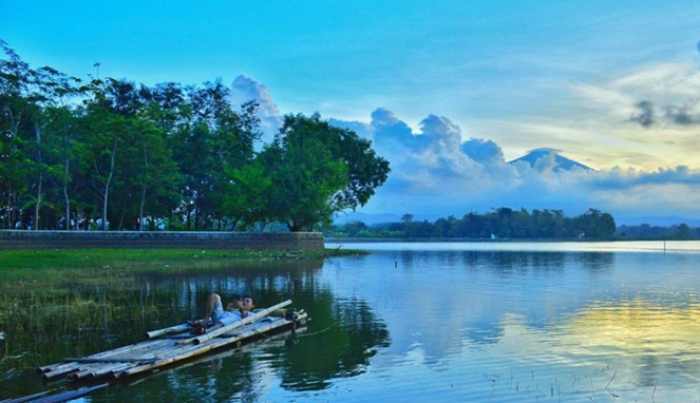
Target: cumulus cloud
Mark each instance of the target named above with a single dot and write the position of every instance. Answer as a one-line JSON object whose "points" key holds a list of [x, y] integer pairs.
{"points": [[435, 171], [482, 151], [245, 89], [438, 169]]}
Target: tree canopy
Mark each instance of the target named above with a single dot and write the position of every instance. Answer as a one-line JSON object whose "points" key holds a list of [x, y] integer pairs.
{"points": [[113, 154]]}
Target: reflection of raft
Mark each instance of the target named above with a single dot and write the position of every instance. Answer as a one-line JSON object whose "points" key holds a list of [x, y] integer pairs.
{"points": [[172, 345]]}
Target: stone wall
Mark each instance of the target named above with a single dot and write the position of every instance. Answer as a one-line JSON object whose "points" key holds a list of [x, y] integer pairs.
{"points": [[160, 239]]}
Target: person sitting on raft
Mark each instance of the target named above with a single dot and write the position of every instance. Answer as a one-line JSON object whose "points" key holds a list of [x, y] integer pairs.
{"points": [[235, 311]]}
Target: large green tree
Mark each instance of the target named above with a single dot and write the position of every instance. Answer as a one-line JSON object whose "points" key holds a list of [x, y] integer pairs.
{"points": [[316, 170], [366, 171]]}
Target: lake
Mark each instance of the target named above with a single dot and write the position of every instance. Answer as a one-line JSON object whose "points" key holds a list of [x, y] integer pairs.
{"points": [[407, 322]]}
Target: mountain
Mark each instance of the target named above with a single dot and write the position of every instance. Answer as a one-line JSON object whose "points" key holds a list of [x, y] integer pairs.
{"points": [[548, 157]]}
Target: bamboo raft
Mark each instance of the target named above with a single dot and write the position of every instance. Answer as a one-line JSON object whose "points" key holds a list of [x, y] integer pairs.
{"points": [[169, 346]]}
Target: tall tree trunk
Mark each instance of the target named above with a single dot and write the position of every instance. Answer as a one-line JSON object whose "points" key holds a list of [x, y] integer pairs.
{"points": [[143, 188], [66, 198], [141, 206], [40, 184], [121, 220], [194, 217], [66, 173], [105, 198], [37, 206], [10, 210]]}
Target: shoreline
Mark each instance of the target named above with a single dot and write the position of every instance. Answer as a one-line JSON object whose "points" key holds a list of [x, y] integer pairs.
{"points": [[155, 258], [487, 240]]}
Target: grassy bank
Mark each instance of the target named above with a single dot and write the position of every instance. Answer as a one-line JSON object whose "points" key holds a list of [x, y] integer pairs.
{"points": [[11, 260]]}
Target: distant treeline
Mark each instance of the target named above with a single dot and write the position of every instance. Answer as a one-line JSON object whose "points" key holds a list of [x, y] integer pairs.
{"points": [[112, 154], [502, 223], [652, 232]]}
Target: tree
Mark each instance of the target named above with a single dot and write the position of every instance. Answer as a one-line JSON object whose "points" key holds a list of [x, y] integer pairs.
{"points": [[26, 95], [103, 135], [160, 179], [683, 232], [305, 178], [366, 171], [247, 194], [62, 123]]}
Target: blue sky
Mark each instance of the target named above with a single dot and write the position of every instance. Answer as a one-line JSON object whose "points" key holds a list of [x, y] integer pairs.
{"points": [[468, 60], [525, 74]]}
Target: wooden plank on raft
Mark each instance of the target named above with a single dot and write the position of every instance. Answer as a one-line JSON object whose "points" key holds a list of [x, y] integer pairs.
{"points": [[185, 352], [109, 360], [61, 369], [228, 328], [115, 351], [168, 330]]}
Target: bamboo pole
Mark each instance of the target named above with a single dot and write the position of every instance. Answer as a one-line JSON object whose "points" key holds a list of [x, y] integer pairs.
{"points": [[109, 360], [168, 330], [70, 394], [235, 325], [27, 398]]}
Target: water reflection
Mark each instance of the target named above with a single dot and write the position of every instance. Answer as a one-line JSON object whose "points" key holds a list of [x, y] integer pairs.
{"points": [[539, 320], [343, 334], [463, 296], [440, 325]]}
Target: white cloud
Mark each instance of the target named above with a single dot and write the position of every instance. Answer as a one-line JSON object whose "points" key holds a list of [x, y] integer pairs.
{"points": [[436, 172], [245, 89], [664, 94]]}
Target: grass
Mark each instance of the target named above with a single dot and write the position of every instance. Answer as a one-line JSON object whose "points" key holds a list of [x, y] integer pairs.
{"points": [[114, 258]]}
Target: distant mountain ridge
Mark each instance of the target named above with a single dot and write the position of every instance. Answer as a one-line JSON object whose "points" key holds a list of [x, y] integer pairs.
{"points": [[550, 158]]}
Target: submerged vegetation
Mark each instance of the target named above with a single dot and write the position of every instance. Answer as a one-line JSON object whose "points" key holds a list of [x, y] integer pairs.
{"points": [[56, 304]]}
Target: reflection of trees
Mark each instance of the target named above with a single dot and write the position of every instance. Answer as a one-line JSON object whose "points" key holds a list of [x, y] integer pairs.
{"points": [[340, 340], [596, 262], [343, 338], [213, 379], [342, 335], [88, 317]]}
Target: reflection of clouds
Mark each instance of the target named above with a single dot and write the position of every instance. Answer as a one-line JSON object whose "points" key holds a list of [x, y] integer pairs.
{"points": [[626, 330], [442, 301], [641, 343], [637, 327]]}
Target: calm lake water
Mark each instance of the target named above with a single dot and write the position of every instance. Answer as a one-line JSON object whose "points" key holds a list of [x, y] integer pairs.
{"points": [[410, 322]]}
